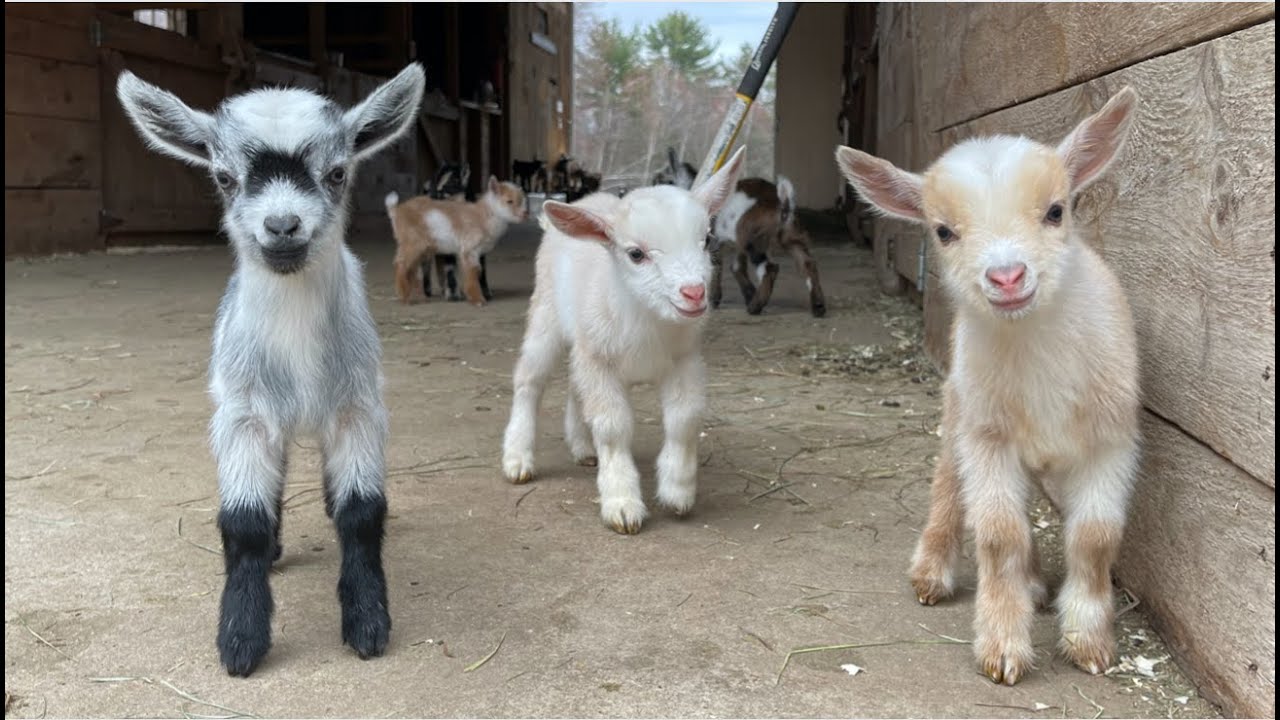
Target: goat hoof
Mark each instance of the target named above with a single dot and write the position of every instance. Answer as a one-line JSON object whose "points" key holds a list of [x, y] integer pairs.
{"points": [[242, 652], [588, 461], [819, 311], [755, 310], [1092, 654], [367, 633], [928, 590], [1005, 663], [518, 469], [625, 515]]}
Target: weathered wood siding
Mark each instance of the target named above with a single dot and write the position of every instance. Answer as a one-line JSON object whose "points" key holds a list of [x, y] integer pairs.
{"points": [[52, 131]]}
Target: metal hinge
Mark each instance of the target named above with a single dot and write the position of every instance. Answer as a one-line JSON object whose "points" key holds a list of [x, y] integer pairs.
{"points": [[95, 33]]}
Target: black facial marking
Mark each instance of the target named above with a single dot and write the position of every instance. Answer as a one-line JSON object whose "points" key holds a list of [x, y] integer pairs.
{"points": [[267, 165]]}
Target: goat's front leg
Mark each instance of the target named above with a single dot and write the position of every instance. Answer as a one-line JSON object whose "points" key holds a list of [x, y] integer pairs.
{"points": [[767, 274], [354, 473], [1095, 497], [608, 412], [740, 274], [469, 264], [250, 454], [995, 493], [683, 402]]}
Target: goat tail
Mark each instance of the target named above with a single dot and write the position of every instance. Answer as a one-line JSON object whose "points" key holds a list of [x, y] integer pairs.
{"points": [[786, 201], [392, 200]]}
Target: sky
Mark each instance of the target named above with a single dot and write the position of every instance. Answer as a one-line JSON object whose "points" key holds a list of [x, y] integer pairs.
{"points": [[732, 23]]}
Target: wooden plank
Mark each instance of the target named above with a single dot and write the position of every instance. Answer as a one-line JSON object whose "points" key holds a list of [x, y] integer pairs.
{"points": [[75, 15], [136, 39], [1187, 219], [46, 153], [43, 222], [50, 88], [1200, 554], [976, 58], [23, 36]]}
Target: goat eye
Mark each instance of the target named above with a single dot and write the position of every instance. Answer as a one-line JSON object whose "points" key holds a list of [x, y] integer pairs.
{"points": [[945, 235], [636, 254], [338, 175], [1054, 216], [224, 180]]}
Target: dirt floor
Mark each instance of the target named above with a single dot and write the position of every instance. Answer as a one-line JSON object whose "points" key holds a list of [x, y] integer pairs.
{"points": [[816, 461]]}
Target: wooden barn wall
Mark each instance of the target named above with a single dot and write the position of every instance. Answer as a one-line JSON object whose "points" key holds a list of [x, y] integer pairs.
{"points": [[52, 139], [537, 79], [1187, 219]]}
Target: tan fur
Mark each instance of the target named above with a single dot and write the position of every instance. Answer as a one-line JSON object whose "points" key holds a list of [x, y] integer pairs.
{"points": [[473, 230], [1043, 385]]}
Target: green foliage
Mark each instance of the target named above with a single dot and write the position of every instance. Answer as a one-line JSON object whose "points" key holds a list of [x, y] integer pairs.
{"points": [[683, 41]]}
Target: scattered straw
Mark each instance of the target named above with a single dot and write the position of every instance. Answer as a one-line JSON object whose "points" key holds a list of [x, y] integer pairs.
{"points": [[854, 646], [180, 693], [522, 497], [480, 663], [193, 543], [23, 622], [1089, 700]]}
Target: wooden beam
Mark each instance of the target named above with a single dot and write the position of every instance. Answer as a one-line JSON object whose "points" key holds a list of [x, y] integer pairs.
{"points": [[978, 58]]}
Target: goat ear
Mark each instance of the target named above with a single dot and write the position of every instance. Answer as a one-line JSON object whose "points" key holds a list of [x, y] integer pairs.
{"points": [[577, 222], [494, 187], [887, 188], [1096, 141], [166, 123], [715, 192], [387, 113]]}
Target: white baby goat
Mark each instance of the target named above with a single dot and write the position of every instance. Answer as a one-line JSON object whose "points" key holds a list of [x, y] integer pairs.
{"points": [[295, 349], [621, 283], [1043, 382]]}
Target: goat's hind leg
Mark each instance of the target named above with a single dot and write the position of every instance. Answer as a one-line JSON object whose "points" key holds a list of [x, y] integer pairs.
{"points": [[355, 471], [804, 262], [250, 455], [934, 562]]}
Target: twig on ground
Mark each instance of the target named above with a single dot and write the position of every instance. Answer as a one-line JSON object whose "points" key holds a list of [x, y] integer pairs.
{"points": [[192, 543], [480, 663], [853, 646]]}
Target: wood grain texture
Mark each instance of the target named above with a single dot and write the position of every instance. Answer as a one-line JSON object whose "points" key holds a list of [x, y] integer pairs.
{"points": [[43, 222], [50, 88], [24, 36], [1187, 219], [75, 15], [47, 153], [144, 191], [1200, 554], [981, 57]]}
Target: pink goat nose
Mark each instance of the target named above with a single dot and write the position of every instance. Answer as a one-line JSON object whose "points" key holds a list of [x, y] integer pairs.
{"points": [[694, 293], [1007, 277]]}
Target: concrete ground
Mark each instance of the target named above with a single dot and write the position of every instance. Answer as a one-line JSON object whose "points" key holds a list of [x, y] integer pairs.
{"points": [[818, 449]]}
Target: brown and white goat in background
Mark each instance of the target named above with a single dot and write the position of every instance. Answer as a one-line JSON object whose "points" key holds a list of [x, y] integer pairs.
{"points": [[425, 227], [1043, 383], [759, 223]]}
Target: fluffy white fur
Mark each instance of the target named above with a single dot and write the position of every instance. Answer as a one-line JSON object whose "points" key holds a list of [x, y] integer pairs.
{"points": [[621, 283], [1043, 384]]}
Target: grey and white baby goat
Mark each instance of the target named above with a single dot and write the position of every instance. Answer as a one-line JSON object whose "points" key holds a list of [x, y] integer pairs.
{"points": [[295, 349], [1043, 384]]}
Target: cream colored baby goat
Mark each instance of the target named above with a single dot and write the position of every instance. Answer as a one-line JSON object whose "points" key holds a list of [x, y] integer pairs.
{"points": [[1043, 383], [621, 283]]}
